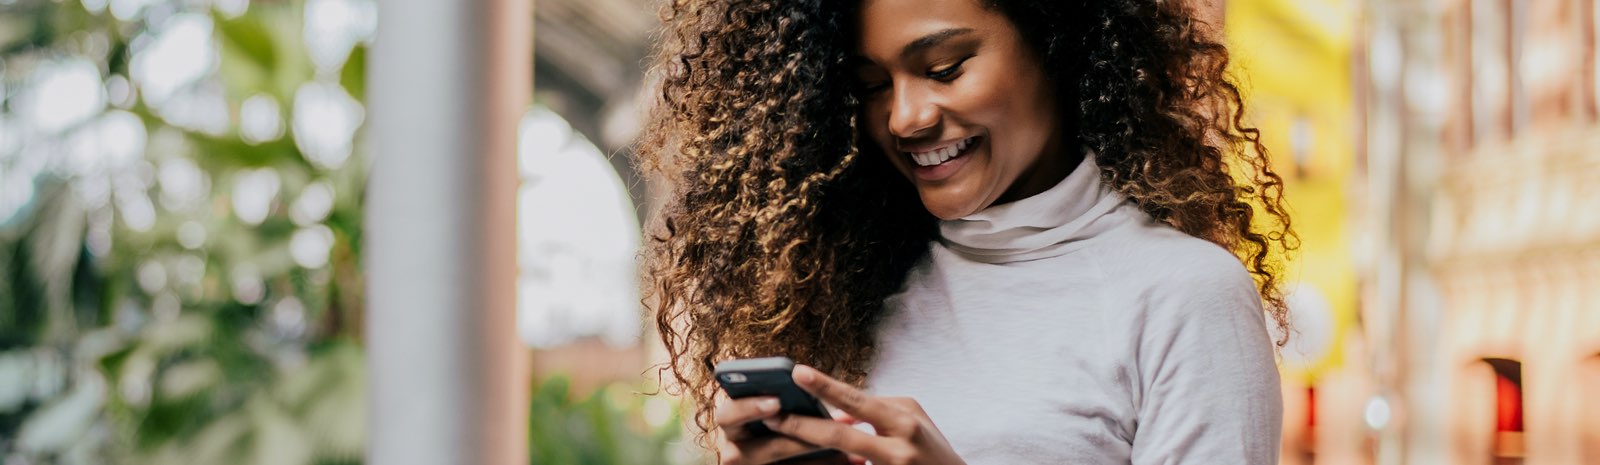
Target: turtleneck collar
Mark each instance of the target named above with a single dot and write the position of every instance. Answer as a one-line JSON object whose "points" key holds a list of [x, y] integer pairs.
{"points": [[1042, 226]]}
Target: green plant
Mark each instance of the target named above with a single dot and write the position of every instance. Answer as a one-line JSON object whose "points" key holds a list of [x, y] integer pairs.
{"points": [[615, 424], [191, 291], [147, 318]]}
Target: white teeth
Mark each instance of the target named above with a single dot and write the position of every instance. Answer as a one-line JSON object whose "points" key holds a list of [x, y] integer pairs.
{"points": [[934, 157]]}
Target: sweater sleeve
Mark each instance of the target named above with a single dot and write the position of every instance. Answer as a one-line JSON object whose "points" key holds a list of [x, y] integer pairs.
{"points": [[1208, 382]]}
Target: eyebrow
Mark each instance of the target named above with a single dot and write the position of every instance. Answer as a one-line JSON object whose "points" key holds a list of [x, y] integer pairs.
{"points": [[931, 40]]}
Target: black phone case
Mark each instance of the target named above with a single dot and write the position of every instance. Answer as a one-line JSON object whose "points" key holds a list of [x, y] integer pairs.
{"points": [[768, 377]]}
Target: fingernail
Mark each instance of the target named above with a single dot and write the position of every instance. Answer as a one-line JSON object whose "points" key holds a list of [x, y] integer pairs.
{"points": [[801, 373], [772, 423], [769, 405]]}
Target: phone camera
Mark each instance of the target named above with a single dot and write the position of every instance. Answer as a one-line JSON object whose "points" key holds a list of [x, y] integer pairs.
{"points": [[734, 378]]}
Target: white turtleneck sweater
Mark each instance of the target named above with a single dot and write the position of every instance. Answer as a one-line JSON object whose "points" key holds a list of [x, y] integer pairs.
{"points": [[1070, 328]]}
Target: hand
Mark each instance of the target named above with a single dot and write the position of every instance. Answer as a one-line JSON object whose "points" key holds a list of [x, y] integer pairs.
{"points": [[905, 434], [735, 446]]}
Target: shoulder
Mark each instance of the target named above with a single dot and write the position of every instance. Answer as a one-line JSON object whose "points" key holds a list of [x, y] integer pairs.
{"points": [[1185, 303], [1157, 264]]}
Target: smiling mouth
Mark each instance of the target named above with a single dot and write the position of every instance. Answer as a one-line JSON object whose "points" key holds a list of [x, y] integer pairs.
{"points": [[944, 154]]}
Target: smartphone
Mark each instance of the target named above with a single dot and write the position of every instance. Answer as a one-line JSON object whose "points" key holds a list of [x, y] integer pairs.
{"points": [[768, 376]]}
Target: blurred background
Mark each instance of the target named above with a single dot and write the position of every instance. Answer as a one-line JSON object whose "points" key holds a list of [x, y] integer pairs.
{"points": [[181, 211]]}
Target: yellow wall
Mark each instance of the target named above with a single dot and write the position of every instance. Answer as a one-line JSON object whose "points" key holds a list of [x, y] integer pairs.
{"points": [[1293, 59]]}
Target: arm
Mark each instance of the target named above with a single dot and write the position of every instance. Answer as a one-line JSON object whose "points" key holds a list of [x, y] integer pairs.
{"points": [[1208, 380]]}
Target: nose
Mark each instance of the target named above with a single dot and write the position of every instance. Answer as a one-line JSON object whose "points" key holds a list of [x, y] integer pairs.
{"points": [[912, 113]]}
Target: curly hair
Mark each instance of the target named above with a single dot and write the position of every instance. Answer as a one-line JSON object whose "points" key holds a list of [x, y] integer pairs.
{"points": [[784, 232]]}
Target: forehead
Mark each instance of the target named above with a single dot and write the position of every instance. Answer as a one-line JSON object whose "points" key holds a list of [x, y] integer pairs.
{"points": [[884, 26]]}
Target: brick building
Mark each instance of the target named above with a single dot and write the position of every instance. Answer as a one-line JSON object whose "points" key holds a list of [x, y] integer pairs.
{"points": [[1479, 157]]}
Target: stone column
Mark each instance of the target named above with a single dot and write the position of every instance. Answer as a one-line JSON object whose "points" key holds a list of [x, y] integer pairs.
{"points": [[448, 83]]}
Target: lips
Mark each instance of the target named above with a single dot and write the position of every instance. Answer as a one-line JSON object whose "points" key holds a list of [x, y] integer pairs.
{"points": [[941, 154]]}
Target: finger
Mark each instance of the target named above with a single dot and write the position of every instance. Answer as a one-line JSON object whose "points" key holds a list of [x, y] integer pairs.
{"points": [[828, 433], [842, 416], [845, 418], [727, 453], [847, 398], [815, 457], [771, 449], [732, 414], [741, 411], [758, 450], [906, 404]]}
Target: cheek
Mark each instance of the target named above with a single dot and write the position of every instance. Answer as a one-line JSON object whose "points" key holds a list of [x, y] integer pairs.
{"points": [[1016, 112], [988, 106], [992, 107]]}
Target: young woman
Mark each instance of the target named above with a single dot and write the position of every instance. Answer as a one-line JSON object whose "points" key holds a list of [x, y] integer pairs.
{"points": [[996, 231]]}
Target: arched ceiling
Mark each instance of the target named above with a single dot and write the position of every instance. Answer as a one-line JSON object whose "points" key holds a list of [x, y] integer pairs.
{"points": [[588, 66], [588, 55]]}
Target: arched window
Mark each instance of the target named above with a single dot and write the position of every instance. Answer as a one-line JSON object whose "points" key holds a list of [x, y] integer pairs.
{"points": [[1487, 413], [577, 238], [1508, 445]]}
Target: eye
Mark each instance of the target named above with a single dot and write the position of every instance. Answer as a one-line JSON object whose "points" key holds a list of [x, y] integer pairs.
{"points": [[948, 72], [871, 87]]}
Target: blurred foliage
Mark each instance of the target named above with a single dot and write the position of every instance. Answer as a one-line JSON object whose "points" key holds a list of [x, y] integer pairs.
{"points": [[606, 427], [145, 351], [145, 343]]}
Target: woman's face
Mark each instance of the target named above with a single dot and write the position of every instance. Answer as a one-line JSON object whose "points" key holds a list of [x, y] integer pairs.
{"points": [[958, 102]]}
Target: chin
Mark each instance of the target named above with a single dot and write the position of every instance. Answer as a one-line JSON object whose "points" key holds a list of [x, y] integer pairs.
{"points": [[947, 209], [958, 196]]}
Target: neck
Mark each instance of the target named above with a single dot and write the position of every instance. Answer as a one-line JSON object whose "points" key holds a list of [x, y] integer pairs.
{"points": [[1048, 170]]}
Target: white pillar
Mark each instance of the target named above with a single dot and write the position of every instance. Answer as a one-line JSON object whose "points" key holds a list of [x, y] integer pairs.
{"points": [[447, 84]]}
